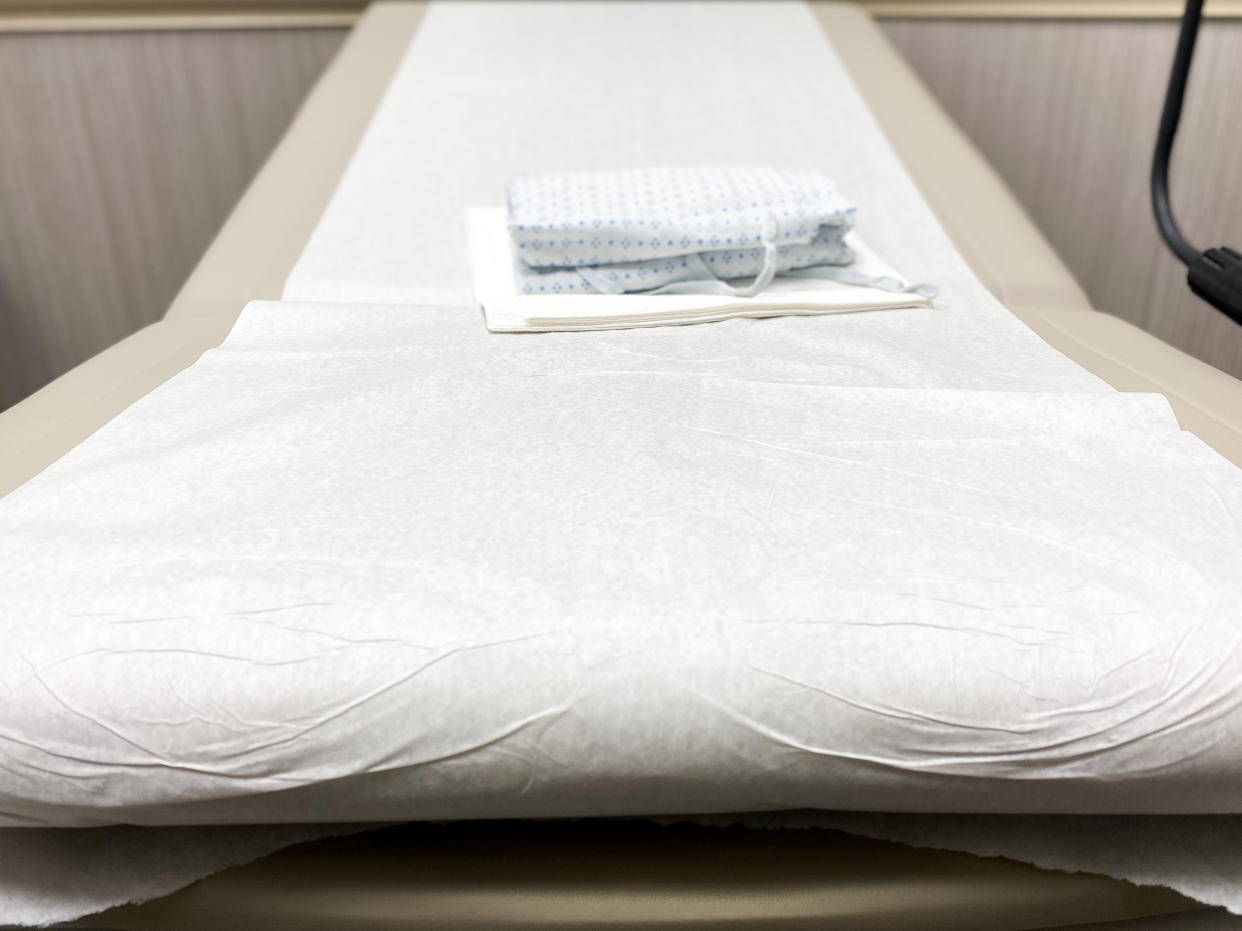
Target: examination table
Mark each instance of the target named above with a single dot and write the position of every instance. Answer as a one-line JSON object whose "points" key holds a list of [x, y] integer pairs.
{"points": [[626, 874]]}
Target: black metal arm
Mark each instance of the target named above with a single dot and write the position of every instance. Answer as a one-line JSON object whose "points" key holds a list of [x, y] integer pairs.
{"points": [[1214, 275]]}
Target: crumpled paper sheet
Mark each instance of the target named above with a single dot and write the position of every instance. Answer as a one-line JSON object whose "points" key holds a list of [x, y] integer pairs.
{"points": [[385, 565]]}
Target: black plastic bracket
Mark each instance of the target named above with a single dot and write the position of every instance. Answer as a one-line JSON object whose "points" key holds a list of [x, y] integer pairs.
{"points": [[1216, 276]]}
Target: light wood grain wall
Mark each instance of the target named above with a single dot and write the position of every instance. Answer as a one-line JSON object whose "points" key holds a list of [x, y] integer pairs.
{"points": [[120, 155], [1067, 112]]}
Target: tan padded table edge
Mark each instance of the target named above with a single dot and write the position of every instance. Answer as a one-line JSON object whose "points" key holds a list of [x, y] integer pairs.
{"points": [[1207, 401]]}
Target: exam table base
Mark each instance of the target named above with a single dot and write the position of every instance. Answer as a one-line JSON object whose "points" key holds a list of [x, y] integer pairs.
{"points": [[623, 875]]}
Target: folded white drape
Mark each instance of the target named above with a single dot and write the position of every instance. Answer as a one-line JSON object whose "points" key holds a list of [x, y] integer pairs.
{"points": [[674, 229]]}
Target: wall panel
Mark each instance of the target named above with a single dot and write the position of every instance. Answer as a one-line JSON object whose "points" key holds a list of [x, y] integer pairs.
{"points": [[120, 155], [1067, 112]]}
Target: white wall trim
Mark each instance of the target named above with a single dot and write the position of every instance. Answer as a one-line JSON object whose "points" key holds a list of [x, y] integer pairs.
{"points": [[141, 15], [1045, 9]]}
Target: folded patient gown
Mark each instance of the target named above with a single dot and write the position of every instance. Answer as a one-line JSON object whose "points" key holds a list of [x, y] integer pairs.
{"points": [[670, 230]]}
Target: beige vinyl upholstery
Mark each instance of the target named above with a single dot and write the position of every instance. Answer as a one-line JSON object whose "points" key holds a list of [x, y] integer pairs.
{"points": [[620, 875], [634, 876]]}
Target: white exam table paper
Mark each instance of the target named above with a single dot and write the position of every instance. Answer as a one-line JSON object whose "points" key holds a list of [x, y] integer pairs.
{"points": [[280, 581], [482, 97], [653, 571]]}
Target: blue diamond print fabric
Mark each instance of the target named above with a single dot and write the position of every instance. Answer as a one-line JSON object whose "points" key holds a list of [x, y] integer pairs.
{"points": [[674, 229]]}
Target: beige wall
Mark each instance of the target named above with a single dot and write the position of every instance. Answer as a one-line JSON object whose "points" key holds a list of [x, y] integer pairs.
{"points": [[121, 153], [1067, 112]]}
